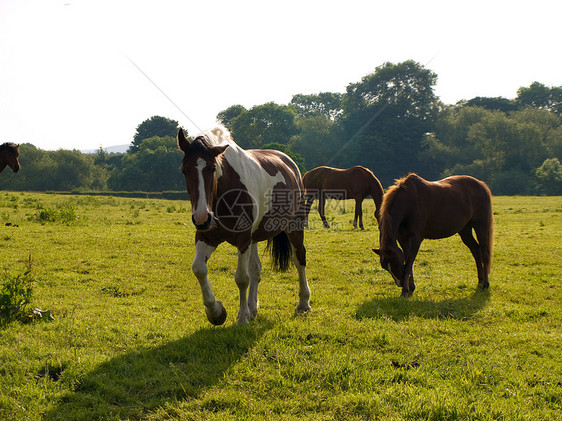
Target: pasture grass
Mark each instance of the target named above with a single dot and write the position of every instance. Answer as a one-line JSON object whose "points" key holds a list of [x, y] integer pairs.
{"points": [[130, 339]]}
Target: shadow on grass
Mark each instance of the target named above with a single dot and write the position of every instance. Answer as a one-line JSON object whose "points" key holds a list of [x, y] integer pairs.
{"points": [[132, 385], [398, 308]]}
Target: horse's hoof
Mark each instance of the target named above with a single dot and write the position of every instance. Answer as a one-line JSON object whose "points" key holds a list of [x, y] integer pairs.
{"points": [[217, 321], [483, 286], [301, 309], [406, 294]]}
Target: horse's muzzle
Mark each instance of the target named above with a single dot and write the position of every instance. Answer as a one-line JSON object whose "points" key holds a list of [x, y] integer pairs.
{"points": [[205, 226]]}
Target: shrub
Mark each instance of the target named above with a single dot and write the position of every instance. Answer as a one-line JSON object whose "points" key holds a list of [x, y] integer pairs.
{"points": [[16, 295]]}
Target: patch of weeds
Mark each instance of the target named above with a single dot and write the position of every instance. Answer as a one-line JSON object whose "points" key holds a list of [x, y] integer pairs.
{"points": [[16, 295], [119, 292], [65, 214]]}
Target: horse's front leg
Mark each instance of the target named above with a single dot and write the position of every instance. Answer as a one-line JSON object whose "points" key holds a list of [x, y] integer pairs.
{"points": [[216, 313], [242, 278], [411, 248], [254, 270]]}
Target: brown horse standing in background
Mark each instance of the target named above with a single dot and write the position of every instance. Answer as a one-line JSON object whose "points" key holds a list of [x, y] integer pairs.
{"points": [[9, 154], [414, 209], [333, 183]]}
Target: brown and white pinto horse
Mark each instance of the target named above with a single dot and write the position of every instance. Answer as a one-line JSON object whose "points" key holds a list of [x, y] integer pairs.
{"points": [[9, 154], [414, 209], [243, 197], [353, 183]]}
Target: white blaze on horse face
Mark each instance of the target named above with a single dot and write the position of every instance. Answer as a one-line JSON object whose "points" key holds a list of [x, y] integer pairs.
{"points": [[201, 211]]}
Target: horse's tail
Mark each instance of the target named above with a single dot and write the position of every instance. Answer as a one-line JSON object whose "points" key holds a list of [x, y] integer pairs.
{"points": [[281, 251], [377, 193], [488, 250]]}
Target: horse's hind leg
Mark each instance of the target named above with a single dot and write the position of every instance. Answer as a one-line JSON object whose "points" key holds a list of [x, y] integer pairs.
{"points": [[216, 313], [469, 240], [299, 259], [254, 269], [321, 209], [358, 214], [309, 197]]}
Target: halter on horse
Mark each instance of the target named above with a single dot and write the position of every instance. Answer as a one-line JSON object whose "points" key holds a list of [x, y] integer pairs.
{"points": [[243, 197]]}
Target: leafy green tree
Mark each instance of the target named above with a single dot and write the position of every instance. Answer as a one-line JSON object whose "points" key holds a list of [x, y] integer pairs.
{"points": [[542, 97], [328, 104], [318, 140], [496, 103], [287, 150], [386, 117], [553, 143], [549, 177], [154, 126], [61, 170], [263, 124], [447, 149], [154, 167], [508, 153], [73, 170], [225, 117]]}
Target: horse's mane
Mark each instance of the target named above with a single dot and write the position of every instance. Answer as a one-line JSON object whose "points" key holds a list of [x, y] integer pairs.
{"points": [[216, 137], [390, 196], [8, 146]]}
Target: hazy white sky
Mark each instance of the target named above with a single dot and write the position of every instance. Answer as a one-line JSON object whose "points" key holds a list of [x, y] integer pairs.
{"points": [[70, 78]]}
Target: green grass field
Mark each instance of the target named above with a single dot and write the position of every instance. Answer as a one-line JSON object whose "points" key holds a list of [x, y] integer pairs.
{"points": [[130, 339]]}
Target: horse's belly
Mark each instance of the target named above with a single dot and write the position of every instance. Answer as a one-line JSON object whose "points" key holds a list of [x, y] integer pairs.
{"points": [[443, 229]]}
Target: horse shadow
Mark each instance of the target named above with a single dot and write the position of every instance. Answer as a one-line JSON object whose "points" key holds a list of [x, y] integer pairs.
{"points": [[399, 308], [131, 385]]}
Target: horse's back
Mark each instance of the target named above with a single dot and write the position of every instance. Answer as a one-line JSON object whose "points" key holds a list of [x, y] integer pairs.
{"points": [[353, 180], [442, 208], [470, 189], [274, 161], [315, 178]]}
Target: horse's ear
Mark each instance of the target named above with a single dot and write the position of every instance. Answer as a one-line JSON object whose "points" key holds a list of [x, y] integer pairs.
{"points": [[378, 251], [218, 150], [183, 142]]}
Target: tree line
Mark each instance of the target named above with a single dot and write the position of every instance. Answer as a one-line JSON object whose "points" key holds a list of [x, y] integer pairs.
{"points": [[391, 122]]}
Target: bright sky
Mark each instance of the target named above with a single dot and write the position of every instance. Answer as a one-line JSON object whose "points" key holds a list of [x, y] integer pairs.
{"points": [[70, 78]]}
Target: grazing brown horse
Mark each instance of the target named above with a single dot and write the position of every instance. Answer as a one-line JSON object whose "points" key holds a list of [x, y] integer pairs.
{"points": [[243, 197], [414, 209], [353, 183], [9, 154]]}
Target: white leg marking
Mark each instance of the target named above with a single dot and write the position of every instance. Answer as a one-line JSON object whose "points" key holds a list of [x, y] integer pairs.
{"points": [[202, 253]]}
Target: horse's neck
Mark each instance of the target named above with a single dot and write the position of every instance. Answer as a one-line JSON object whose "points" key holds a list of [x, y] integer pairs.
{"points": [[376, 192], [393, 218]]}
